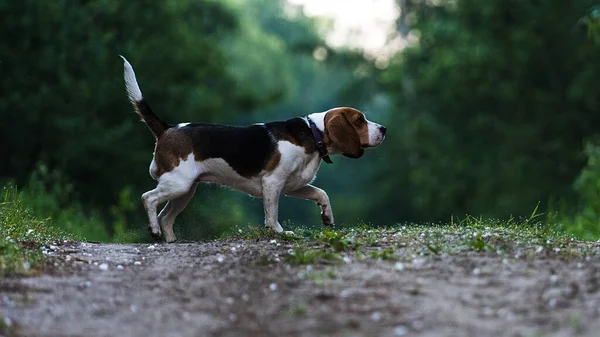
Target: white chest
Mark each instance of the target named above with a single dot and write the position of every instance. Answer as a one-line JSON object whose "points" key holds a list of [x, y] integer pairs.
{"points": [[296, 167]]}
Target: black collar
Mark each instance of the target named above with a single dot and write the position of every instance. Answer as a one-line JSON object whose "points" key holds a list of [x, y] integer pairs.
{"points": [[319, 140]]}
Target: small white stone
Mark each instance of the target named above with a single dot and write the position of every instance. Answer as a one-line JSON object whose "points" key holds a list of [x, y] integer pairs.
{"points": [[68, 258], [400, 330], [220, 259], [273, 241], [553, 278], [273, 286], [133, 308], [399, 266], [476, 271], [119, 266], [229, 300], [103, 266], [151, 247], [347, 259], [137, 263], [245, 297], [376, 316]]}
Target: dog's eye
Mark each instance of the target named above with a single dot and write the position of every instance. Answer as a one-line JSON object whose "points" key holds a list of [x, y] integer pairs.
{"points": [[360, 118]]}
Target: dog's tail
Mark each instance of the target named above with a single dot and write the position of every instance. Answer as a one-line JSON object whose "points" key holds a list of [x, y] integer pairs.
{"points": [[155, 124]]}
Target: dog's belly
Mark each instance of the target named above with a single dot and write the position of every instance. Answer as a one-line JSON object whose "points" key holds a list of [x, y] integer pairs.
{"points": [[217, 171], [295, 175]]}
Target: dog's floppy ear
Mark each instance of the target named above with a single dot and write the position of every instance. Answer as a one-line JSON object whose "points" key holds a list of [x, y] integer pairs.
{"points": [[344, 136]]}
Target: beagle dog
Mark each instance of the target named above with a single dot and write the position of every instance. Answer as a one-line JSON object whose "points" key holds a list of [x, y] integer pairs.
{"points": [[264, 160]]}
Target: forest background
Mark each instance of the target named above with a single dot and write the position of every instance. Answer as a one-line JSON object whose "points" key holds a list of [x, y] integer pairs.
{"points": [[492, 108]]}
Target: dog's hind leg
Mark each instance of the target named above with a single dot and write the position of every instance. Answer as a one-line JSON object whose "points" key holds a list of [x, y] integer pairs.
{"points": [[167, 216], [171, 185]]}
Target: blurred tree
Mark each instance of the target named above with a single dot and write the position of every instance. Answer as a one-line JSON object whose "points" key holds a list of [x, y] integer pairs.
{"points": [[491, 108], [63, 100]]}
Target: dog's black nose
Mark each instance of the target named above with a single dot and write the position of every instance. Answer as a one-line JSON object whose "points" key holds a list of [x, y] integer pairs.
{"points": [[382, 129]]}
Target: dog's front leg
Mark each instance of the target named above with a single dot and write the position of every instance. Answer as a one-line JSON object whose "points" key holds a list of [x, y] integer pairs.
{"points": [[271, 190], [310, 192]]}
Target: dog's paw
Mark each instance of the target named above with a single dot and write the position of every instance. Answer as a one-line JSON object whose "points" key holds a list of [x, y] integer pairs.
{"points": [[277, 228], [157, 236], [327, 220]]}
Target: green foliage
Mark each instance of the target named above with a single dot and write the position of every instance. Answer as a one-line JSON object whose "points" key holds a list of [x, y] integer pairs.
{"points": [[338, 241], [236, 61], [64, 103], [491, 105], [23, 235], [583, 220], [50, 195], [384, 254], [592, 22], [63, 84], [300, 255]]}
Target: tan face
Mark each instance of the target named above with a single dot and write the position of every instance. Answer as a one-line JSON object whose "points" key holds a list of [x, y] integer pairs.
{"points": [[349, 132]]}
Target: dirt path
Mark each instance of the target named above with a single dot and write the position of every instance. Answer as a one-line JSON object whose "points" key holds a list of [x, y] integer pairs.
{"points": [[237, 287]]}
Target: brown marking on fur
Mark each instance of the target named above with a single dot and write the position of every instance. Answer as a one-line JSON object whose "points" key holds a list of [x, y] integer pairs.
{"points": [[347, 129], [291, 139], [171, 148], [273, 161]]}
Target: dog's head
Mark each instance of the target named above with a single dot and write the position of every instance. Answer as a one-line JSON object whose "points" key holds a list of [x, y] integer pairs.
{"points": [[348, 132]]}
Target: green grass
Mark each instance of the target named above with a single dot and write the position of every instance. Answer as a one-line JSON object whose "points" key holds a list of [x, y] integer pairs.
{"points": [[23, 236], [525, 238], [301, 255]]}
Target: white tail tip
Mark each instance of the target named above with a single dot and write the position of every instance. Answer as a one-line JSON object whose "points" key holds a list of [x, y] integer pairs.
{"points": [[133, 90]]}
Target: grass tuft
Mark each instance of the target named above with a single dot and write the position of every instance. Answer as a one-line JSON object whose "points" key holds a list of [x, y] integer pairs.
{"points": [[23, 236], [300, 255]]}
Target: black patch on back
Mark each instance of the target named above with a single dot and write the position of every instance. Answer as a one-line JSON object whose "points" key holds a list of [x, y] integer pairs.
{"points": [[294, 130], [245, 148]]}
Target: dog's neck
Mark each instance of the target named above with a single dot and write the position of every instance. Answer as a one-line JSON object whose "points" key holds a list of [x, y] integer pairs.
{"points": [[319, 119], [318, 134]]}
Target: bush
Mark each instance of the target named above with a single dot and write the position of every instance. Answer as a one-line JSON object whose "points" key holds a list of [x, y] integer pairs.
{"points": [[584, 221]]}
